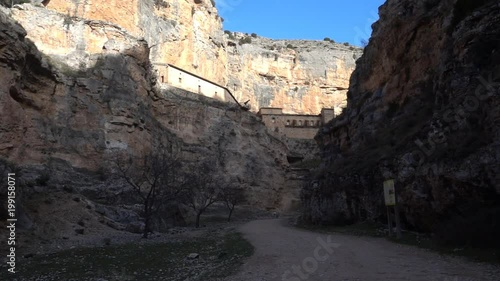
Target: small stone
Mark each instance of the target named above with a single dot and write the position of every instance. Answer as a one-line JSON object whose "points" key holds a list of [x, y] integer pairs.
{"points": [[193, 256]]}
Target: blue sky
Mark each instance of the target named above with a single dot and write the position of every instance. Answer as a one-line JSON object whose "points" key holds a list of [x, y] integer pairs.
{"points": [[341, 20]]}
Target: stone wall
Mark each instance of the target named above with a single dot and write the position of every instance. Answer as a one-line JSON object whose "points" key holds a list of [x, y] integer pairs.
{"points": [[295, 126], [169, 75]]}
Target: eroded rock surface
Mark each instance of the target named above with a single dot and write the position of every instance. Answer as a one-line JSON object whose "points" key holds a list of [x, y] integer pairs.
{"points": [[423, 109], [65, 117]]}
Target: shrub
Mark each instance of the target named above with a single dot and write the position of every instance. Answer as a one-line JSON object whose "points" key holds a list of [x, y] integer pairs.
{"points": [[245, 40], [254, 35], [346, 43], [161, 4], [327, 39], [289, 46]]}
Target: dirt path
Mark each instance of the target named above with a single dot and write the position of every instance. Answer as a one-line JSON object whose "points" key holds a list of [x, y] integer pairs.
{"points": [[289, 254]]}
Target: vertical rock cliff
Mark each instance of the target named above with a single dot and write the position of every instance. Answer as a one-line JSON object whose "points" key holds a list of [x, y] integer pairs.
{"points": [[63, 123], [300, 76], [184, 33], [423, 109]]}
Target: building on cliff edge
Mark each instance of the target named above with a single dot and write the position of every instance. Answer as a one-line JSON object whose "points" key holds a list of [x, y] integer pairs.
{"points": [[295, 126]]}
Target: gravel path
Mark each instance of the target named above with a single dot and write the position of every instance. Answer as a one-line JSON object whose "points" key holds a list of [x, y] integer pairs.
{"points": [[290, 254]]}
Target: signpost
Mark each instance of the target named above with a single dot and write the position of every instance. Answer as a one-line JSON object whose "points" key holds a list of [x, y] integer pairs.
{"points": [[390, 201]]}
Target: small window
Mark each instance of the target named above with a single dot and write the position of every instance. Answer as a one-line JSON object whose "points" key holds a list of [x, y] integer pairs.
{"points": [[180, 80], [288, 122], [300, 122], [273, 120], [199, 89]]}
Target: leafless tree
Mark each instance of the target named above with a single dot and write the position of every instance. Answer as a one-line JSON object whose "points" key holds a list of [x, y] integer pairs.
{"points": [[231, 196], [203, 189], [156, 178]]}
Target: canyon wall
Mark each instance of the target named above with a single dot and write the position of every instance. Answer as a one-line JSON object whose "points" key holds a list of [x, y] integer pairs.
{"points": [[184, 33], [63, 125], [300, 76], [423, 109]]}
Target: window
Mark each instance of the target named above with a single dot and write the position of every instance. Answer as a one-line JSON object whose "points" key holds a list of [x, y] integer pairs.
{"points": [[288, 122], [199, 89], [273, 120], [163, 79], [180, 80], [300, 122]]}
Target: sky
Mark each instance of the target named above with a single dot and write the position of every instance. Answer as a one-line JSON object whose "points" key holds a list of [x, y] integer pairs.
{"points": [[341, 20]]}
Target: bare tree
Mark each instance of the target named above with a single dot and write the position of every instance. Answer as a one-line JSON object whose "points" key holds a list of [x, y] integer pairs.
{"points": [[203, 190], [231, 196], [155, 178]]}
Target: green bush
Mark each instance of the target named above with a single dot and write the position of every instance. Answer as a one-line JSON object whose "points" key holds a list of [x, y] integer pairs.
{"points": [[245, 40], [346, 43], [289, 46], [327, 39], [254, 35]]}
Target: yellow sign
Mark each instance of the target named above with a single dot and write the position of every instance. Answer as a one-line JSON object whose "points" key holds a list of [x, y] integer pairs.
{"points": [[389, 193]]}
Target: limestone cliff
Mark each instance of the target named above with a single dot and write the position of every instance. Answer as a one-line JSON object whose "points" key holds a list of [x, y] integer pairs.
{"points": [[62, 124], [299, 76], [423, 108], [184, 33]]}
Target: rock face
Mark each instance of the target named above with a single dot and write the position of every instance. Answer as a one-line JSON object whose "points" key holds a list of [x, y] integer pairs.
{"points": [[301, 79], [64, 117], [300, 76], [184, 33], [423, 109]]}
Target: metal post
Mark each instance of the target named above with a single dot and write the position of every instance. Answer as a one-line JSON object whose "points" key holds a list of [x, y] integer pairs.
{"points": [[398, 223], [389, 220]]}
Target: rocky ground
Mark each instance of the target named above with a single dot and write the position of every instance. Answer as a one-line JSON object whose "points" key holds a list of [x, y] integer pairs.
{"points": [[259, 250], [286, 253]]}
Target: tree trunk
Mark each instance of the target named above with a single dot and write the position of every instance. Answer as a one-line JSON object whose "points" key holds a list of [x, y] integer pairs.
{"points": [[230, 214], [146, 221], [198, 215]]}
